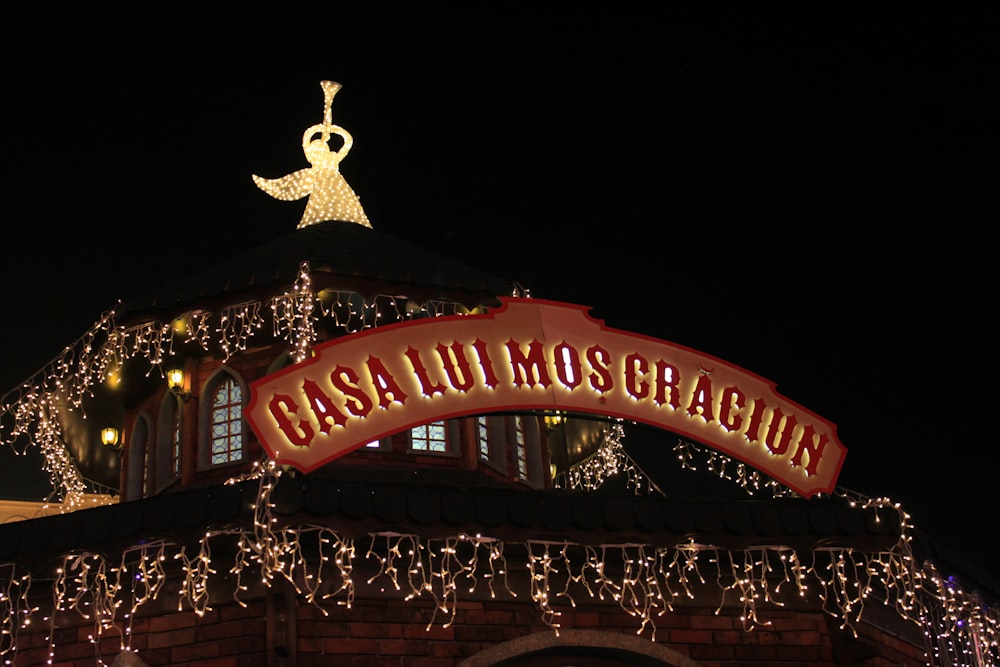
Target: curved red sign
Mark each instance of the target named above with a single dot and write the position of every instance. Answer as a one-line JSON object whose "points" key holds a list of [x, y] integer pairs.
{"points": [[533, 354]]}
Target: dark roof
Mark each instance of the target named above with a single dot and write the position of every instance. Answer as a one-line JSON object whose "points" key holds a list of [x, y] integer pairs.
{"points": [[343, 250]]}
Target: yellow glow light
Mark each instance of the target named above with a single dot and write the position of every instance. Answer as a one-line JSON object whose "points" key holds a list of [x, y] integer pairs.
{"points": [[175, 379], [109, 436], [330, 197]]}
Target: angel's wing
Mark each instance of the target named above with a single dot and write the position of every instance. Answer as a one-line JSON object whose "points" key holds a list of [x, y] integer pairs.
{"points": [[295, 185]]}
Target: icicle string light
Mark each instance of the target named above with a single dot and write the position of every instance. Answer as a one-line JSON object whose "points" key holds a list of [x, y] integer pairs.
{"points": [[237, 324], [294, 318], [319, 563], [645, 581], [610, 460], [29, 413], [748, 479], [15, 608]]}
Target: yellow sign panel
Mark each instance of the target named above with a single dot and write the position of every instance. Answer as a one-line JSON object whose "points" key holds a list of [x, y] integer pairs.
{"points": [[533, 354]]}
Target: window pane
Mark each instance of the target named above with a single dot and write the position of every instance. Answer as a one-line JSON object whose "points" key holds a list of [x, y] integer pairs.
{"points": [[522, 451], [484, 442], [227, 423], [429, 438], [175, 450]]}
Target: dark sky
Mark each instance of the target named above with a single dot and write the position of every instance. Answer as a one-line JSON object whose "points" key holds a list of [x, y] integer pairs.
{"points": [[808, 196]]}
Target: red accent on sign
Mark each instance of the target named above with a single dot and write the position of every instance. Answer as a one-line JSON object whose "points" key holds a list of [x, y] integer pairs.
{"points": [[533, 354]]}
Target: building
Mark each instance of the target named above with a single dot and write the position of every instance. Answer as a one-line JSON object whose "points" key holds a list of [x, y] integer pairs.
{"points": [[522, 534]]}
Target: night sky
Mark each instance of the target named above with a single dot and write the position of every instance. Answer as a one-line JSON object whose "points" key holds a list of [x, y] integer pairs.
{"points": [[810, 196]]}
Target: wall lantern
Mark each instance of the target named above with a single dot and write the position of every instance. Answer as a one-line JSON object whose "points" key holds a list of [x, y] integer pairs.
{"points": [[109, 436], [177, 382]]}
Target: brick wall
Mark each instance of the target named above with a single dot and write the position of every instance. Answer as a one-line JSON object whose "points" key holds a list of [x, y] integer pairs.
{"points": [[390, 632]]}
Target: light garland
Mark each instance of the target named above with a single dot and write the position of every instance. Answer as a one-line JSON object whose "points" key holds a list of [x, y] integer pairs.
{"points": [[237, 324], [294, 318], [609, 461], [15, 609], [319, 563], [644, 580], [29, 413]]}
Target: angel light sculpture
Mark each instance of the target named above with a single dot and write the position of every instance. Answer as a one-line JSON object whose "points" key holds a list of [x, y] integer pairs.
{"points": [[330, 197]]}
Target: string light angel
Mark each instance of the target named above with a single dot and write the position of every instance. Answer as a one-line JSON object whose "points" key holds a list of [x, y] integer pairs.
{"points": [[330, 197]]}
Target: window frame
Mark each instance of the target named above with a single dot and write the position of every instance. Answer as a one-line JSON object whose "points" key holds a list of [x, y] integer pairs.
{"points": [[491, 430], [138, 467], [526, 437], [169, 445], [451, 439], [207, 408]]}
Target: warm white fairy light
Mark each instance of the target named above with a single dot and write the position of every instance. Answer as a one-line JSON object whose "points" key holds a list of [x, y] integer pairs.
{"points": [[142, 572], [197, 570], [330, 197], [726, 468], [609, 461], [237, 323], [151, 341], [15, 608], [541, 567], [85, 586], [294, 318], [197, 328], [643, 579], [37, 418], [29, 413]]}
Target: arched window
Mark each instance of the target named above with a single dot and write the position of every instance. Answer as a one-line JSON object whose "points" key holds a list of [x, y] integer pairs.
{"points": [[222, 440], [168, 442], [137, 478]]}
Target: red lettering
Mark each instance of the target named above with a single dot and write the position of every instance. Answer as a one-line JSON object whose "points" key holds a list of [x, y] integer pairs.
{"points": [[732, 402], [426, 385], [701, 398], [635, 366], [568, 367], [346, 380], [784, 439], [528, 369], [667, 377], [277, 406], [756, 419], [808, 445], [486, 364], [455, 363], [599, 358], [323, 407], [386, 387]]}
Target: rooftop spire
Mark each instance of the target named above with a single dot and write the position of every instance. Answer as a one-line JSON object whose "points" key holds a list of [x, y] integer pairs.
{"points": [[330, 197]]}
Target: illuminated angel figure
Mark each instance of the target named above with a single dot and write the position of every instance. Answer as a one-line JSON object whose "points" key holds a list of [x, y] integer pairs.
{"points": [[330, 197]]}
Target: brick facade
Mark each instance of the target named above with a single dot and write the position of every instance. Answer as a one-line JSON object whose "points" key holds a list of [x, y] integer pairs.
{"points": [[275, 629]]}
